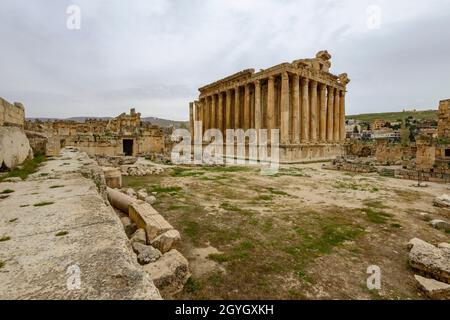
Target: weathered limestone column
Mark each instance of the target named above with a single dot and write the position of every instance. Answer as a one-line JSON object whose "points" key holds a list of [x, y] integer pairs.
{"points": [[284, 102], [296, 108], [237, 110], [228, 109], [213, 124], [207, 112], [191, 119], [330, 113], [305, 110], [271, 103], [323, 112], [342, 116], [314, 108], [337, 112], [258, 107], [220, 113], [246, 107]]}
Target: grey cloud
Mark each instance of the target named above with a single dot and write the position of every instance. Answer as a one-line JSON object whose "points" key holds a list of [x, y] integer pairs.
{"points": [[152, 55]]}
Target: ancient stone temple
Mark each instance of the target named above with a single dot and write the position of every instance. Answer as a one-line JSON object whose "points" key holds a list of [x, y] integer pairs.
{"points": [[125, 135], [302, 99]]}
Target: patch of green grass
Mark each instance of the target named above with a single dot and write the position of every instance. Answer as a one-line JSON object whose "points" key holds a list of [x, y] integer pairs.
{"points": [[219, 257], [376, 216], [344, 185], [264, 197], [27, 168], [331, 235], [61, 234], [56, 187], [7, 191], [223, 257], [2, 264], [230, 207], [185, 172], [302, 275], [170, 190], [43, 203], [277, 192], [192, 285], [246, 245], [375, 204], [292, 171], [228, 169], [5, 238], [191, 228]]}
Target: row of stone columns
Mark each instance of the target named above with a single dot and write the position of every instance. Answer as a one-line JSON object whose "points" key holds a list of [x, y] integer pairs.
{"points": [[308, 111]]}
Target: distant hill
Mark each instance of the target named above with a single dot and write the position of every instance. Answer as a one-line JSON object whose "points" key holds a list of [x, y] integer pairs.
{"points": [[394, 116], [166, 123], [157, 121]]}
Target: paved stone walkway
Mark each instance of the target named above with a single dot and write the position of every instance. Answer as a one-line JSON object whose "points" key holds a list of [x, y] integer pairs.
{"points": [[63, 235]]}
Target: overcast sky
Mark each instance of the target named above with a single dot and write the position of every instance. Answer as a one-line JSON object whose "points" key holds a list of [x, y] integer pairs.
{"points": [[154, 54]]}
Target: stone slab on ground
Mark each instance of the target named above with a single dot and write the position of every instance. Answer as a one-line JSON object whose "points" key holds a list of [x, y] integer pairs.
{"points": [[433, 289], [61, 225], [146, 217], [170, 273], [166, 241], [429, 260]]}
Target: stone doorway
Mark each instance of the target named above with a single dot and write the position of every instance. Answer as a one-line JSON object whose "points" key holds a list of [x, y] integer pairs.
{"points": [[128, 147]]}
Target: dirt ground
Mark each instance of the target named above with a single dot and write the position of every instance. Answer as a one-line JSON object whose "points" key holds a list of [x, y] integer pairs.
{"points": [[304, 233]]}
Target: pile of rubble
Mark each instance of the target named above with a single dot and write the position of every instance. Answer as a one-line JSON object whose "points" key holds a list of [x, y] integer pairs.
{"points": [[352, 164], [130, 166], [140, 170], [433, 266], [115, 161], [160, 158], [153, 240]]}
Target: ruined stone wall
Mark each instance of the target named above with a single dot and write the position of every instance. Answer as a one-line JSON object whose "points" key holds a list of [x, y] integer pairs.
{"points": [[444, 119], [102, 137], [360, 148], [11, 114], [425, 156], [389, 153]]}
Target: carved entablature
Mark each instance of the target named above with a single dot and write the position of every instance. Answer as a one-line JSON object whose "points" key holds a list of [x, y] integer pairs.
{"points": [[316, 69], [234, 78]]}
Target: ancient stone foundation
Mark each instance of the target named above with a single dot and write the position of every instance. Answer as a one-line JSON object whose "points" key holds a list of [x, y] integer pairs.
{"points": [[301, 99], [14, 144]]}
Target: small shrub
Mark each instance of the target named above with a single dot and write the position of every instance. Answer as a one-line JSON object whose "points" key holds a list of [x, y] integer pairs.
{"points": [[62, 233], [7, 191]]}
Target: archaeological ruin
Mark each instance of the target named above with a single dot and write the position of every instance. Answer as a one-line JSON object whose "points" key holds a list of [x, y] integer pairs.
{"points": [[124, 135], [14, 144], [302, 99]]}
